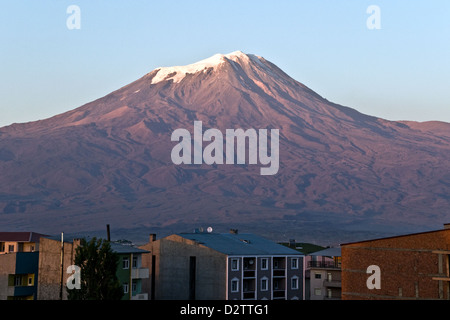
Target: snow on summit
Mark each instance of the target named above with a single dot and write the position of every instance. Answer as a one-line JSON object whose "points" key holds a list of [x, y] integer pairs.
{"points": [[177, 73]]}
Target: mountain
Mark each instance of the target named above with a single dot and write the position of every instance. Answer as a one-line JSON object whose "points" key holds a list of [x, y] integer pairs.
{"points": [[341, 173]]}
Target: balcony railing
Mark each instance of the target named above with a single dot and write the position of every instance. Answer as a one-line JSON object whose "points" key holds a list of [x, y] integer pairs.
{"points": [[139, 273], [332, 283], [324, 264]]}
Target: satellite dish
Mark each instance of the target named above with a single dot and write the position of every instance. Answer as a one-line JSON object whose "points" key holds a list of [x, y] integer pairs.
{"points": [[209, 229]]}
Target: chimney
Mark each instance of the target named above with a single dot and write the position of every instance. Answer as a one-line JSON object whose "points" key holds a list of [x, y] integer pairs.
{"points": [[108, 233], [292, 243], [152, 237]]}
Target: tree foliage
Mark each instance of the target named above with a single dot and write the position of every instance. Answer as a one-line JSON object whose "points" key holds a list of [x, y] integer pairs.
{"points": [[98, 266]]}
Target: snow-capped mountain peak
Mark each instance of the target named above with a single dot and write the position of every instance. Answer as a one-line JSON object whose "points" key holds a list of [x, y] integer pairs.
{"points": [[177, 73]]}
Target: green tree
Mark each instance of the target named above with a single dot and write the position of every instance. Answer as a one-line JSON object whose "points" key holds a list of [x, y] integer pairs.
{"points": [[98, 266]]}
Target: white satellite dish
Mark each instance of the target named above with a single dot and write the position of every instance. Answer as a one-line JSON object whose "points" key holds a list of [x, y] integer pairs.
{"points": [[209, 229]]}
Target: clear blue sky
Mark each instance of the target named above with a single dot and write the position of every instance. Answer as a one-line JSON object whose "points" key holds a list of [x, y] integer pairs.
{"points": [[398, 72]]}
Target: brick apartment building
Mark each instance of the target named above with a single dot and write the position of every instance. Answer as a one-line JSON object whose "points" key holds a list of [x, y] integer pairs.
{"points": [[413, 266], [222, 266]]}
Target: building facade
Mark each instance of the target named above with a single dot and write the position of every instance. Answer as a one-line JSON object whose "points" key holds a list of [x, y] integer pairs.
{"points": [[325, 274], [19, 265], [19, 242], [407, 267], [130, 272], [53, 274], [213, 266]]}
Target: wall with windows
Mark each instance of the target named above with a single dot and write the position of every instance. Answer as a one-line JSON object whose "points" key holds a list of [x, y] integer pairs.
{"points": [[267, 277], [18, 275], [14, 246]]}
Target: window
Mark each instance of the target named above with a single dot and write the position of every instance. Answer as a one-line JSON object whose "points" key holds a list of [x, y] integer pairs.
{"points": [[133, 286], [264, 284], [125, 263], [294, 283], [135, 262], [318, 275], [264, 264], [234, 264], [17, 281], [11, 248], [317, 292], [294, 263], [125, 287], [235, 285], [30, 280], [2, 247]]}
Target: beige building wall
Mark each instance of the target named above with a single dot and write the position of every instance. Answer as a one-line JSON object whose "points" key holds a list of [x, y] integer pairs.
{"points": [[171, 275], [7, 267], [49, 284]]}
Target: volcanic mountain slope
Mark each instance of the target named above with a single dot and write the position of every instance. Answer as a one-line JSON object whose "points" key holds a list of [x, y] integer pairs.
{"points": [[109, 161]]}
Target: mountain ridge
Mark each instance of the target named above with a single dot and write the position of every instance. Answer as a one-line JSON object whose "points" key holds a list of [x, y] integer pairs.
{"points": [[110, 159]]}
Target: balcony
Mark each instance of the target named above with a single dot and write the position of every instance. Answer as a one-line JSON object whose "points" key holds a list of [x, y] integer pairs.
{"points": [[279, 294], [140, 296], [324, 264], [278, 273], [139, 273], [332, 284]]}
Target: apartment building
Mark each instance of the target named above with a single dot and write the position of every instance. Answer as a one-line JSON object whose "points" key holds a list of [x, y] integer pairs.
{"points": [[406, 267], [19, 242], [130, 271], [325, 274], [19, 265], [53, 274], [222, 266]]}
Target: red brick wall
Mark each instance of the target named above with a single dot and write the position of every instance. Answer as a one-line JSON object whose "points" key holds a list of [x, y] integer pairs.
{"points": [[407, 266]]}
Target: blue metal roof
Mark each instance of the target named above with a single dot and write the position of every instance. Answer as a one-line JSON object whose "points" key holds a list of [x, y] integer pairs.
{"points": [[239, 244]]}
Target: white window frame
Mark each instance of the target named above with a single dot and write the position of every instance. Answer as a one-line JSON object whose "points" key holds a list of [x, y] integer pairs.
{"points": [[125, 263], [234, 281], [125, 287], [294, 263], [234, 260], [266, 281], [265, 261], [296, 286]]}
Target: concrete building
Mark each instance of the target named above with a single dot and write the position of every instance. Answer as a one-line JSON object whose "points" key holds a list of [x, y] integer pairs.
{"points": [[53, 275], [19, 265], [325, 274], [407, 267], [213, 266]]}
